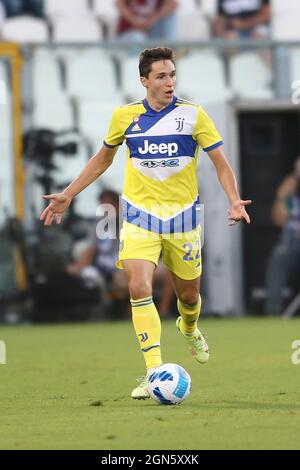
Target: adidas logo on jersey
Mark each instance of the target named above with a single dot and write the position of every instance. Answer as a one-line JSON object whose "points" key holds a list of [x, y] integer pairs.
{"points": [[153, 149], [136, 128]]}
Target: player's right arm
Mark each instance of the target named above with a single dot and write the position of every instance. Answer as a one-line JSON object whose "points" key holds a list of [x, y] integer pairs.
{"points": [[59, 202], [96, 166]]}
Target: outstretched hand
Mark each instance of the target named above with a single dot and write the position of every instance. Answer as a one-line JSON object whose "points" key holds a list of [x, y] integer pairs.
{"points": [[59, 203], [237, 212]]}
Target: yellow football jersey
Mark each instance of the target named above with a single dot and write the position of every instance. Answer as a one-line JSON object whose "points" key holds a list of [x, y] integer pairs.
{"points": [[161, 191]]}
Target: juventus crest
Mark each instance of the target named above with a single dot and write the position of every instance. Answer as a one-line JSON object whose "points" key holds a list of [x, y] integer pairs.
{"points": [[180, 123]]}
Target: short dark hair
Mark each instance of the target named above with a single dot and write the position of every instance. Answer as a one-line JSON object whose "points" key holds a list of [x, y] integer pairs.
{"points": [[148, 56]]}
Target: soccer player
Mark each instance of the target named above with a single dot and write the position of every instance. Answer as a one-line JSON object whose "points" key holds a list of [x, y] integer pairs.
{"points": [[160, 201]]}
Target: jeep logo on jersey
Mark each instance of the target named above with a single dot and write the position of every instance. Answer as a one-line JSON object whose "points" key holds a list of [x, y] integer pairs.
{"points": [[161, 163], [170, 149]]}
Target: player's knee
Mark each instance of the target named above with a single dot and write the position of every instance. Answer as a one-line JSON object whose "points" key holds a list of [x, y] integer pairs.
{"points": [[189, 297], [140, 289]]}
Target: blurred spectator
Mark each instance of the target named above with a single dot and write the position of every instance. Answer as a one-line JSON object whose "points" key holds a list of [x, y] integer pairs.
{"points": [[96, 265], [285, 257], [240, 19], [147, 19], [97, 262], [23, 7]]}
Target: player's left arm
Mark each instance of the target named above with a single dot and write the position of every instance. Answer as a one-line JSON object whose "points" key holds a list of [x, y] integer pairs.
{"points": [[237, 211]]}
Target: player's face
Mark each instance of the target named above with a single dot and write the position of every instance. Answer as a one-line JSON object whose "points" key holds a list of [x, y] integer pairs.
{"points": [[161, 81]]}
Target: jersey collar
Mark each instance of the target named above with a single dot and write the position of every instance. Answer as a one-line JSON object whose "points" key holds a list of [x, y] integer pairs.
{"points": [[165, 110]]}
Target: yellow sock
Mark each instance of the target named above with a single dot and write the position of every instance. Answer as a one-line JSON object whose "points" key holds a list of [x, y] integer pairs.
{"points": [[189, 316], [147, 326]]}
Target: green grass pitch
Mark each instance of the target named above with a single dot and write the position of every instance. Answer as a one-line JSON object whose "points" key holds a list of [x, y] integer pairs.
{"points": [[246, 397]]}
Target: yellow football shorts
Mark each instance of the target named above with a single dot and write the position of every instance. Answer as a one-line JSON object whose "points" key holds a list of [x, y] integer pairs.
{"points": [[181, 252]]}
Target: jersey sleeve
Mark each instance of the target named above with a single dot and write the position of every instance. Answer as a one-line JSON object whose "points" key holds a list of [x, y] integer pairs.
{"points": [[205, 132], [115, 134]]}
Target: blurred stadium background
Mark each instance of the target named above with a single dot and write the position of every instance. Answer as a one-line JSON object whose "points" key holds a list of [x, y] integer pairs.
{"points": [[62, 74]]}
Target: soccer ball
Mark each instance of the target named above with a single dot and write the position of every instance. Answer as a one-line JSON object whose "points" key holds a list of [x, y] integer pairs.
{"points": [[170, 384]]}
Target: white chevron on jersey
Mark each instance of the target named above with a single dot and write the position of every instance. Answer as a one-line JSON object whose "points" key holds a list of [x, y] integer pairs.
{"points": [[168, 124], [162, 209], [155, 172], [161, 170]]}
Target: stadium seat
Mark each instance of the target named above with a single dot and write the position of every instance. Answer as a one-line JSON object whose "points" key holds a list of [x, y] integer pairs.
{"points": [[69, 52], [250, 77], [288, 6], [6, 147], [193, 27], [25, 29], [66, 54], [46, 75], [91, 74], [67, 8], [201, 78], [5, 102], [131, 85], [187, 7], [285, 20], [56, 115], [286, 28], [78, 30], [94, 118], [209, 8], [295, 64], [3, 85], [108, 13], [3, 94]]}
